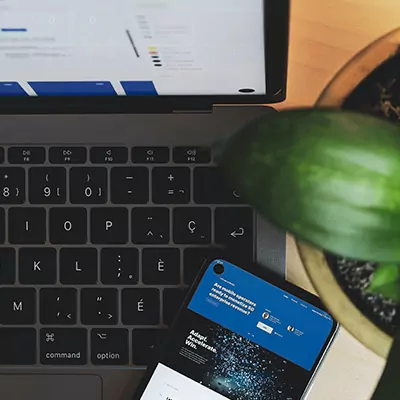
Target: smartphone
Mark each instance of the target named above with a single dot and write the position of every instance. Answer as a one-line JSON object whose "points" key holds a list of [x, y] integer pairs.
{"points": [[241, 334]]}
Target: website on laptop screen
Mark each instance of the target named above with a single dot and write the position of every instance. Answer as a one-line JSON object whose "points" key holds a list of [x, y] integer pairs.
{"points": [[131, 47]]}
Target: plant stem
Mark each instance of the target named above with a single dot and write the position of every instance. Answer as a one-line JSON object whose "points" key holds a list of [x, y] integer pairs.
{"points": [[389, 386]]}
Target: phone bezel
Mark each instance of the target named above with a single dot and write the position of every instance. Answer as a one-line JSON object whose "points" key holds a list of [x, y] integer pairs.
{"points": [[266, 275]]}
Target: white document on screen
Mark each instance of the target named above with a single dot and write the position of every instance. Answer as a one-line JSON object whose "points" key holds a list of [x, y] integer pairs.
{"points": [[183, 46], [166, 384]]}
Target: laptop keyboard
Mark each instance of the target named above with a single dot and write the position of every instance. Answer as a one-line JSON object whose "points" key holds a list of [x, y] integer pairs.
{"points": [[99, 244]]}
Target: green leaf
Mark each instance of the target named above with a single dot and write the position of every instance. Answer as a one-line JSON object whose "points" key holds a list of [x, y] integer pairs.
{"points": [[386, 281]]}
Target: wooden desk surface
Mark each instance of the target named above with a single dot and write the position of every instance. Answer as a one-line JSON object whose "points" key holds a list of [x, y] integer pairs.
{"points": [[325, 34]]}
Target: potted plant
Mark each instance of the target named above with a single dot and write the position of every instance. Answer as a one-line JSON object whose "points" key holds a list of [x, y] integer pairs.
{"points": [[369, 83], [331, 178]]}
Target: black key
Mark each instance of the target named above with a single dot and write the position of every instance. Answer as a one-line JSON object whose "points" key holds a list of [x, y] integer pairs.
{"points": [[88, 185], [26, 155], [140, 306], [161, 266], [145, 345], [12, 185], [120, 266], [17, 346], [67, 155], [17, 306], [194, 258], [37, 266], [58, 306], [27, 225], [7, 266], [234, 228], [210, 187], [192, 155], [109, 155], [150, 155], [68, 225], [63, 346], [99, 306], [173, 299], [78, 266], [110, 347], [2, 155], [2, 225], [150, 225], [109, 225], [129, 185], [47, 185], [192, 225], [171, 185]]}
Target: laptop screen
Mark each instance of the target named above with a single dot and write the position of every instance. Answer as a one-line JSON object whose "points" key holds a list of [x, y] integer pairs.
{"points": [[132, 47]]}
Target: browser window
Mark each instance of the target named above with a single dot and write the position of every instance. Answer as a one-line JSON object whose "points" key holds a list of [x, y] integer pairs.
{"points": [[132, 47]]}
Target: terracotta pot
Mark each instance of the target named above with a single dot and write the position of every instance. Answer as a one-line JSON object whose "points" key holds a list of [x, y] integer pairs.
{"points": [[314, 260]]}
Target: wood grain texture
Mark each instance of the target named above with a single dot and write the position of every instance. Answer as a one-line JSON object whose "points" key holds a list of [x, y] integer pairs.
{"points": [[325, 35]]}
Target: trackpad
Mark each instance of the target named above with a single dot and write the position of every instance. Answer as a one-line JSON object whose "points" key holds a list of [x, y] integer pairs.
{"points": [[50, 387]]}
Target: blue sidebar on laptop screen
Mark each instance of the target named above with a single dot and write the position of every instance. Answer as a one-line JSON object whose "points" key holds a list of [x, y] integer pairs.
{"points": [[132, 47], [240, 338]]}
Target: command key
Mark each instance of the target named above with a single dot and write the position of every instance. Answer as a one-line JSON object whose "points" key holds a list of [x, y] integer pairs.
{"points": [[63, 346]]}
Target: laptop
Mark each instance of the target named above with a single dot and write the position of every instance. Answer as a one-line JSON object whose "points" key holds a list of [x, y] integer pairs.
{"points": [[110, 199]]}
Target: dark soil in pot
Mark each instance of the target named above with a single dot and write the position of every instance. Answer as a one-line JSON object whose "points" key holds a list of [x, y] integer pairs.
{"points": [[379, 95]]}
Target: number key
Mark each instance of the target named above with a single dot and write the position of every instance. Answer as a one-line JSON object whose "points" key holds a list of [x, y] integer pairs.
{"points": [[88, 185], [12, 185], [47, 185]]}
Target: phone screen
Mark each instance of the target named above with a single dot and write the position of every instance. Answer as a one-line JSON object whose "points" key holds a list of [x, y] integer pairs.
{"points": [[239, 338]]}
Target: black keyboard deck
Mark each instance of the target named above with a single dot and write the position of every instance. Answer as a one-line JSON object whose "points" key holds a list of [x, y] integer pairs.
{"points": [[99, 244]]}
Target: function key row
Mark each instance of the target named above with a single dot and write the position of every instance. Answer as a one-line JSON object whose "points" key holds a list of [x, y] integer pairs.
{"points": [[123, 185], [106, 155]]}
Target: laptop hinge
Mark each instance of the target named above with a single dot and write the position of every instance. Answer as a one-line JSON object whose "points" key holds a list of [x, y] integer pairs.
{"points": [[198, 111]]}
